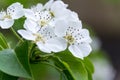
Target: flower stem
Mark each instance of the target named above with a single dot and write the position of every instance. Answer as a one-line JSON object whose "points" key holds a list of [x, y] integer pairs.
{"points": [[14, 32]]}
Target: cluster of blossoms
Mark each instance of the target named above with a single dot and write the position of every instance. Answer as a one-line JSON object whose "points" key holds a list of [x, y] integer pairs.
{"points": [[52, 27]]}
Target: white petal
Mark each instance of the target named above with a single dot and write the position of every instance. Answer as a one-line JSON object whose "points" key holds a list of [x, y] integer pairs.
{"points": [[59, 4], [2, 14], [85, 49], [31, 25], [56, 44], [72, 16], [30, 14], [85, 34], [61, 28], [43, 47], [75, 50], [60, 13], [39, 7], [7, 23], [47, 32], [48, 4], [75, 24], [52, 23], [59, 9], [15, 10], [26, 35]]}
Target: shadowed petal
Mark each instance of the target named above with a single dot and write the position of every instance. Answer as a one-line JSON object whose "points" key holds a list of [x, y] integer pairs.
{"points": [[43, 47], [27, 35], [56, 44], [61, 28], [85, 49], [15, 10], [7, 23], [75, 50]]}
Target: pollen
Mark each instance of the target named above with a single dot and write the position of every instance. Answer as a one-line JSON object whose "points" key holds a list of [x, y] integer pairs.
{"points": [[69, 39], [43, 23], [4, 16], [45, 17], [7, 16], [52, 14], [39, 38]]}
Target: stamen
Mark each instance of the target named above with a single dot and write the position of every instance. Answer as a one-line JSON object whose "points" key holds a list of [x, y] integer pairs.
{"points": [[70, 39], [44, 18], [7, 16], [39, 38]]}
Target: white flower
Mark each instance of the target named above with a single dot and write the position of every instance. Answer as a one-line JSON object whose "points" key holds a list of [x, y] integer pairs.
{"points": [[47, 14], [78, 39], [44, 37], [14, 11]]}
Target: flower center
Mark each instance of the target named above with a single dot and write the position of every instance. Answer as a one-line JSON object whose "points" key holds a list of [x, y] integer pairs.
{"points": [[39, 38], [7, 16], [70, 39], [43, 22], [4, 16], [44, 18]]}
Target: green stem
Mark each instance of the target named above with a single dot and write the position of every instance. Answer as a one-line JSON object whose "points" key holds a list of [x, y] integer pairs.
{"points": [[14, 32], [47, 55], [30, 51]]}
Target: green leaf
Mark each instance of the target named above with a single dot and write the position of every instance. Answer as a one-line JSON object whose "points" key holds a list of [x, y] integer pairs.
{"points": [[10, 64], [37, 69], [23, 55], [63, 77], [89, 76], [89, 65], [4, 76], [74, 65], [3, 43], [18, 24], [44, 71], [64, 70]]}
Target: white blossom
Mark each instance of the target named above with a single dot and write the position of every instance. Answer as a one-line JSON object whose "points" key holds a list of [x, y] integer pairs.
{"points": [[44, 37], [47, 14], [54, 28], [14, 11], [78, 39]]}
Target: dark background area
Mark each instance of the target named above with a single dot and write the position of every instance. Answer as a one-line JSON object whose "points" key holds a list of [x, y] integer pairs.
{"points": [[104, 17]]}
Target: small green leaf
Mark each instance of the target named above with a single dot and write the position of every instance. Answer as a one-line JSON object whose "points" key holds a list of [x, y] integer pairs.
{"points": [[74, 65], [4, 76], [10, 64], [89, 65], [3, 43]]}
